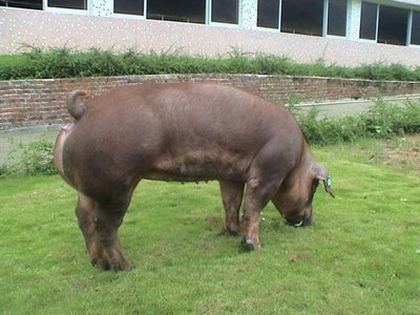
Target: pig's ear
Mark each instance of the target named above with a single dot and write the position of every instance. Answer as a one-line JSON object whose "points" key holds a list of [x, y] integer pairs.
{"points": [[320, 173]]}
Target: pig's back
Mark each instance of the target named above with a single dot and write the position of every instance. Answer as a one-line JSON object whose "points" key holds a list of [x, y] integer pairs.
{"points": [[185, 131]]}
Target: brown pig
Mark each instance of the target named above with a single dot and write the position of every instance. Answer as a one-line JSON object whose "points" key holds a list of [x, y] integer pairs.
{"points": [[183, 132]]}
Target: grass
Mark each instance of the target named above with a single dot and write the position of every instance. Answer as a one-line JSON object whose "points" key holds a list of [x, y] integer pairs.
{"points": [[361, 256], [37, 63], [8, 60], [382, 120]]}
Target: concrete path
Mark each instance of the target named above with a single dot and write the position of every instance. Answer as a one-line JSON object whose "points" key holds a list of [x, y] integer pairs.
{"points": [[345, 107]]}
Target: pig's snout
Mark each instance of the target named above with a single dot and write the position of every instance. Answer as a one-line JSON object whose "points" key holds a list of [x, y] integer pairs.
{"points": [[300, 221]]}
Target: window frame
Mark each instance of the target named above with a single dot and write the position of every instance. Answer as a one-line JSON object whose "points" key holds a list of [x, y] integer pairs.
{"points": [[207, 18], [303, 34], [209, 21], [325, 22], [409, 25], [145, 13], [367, 40], [405, 41], [410, 28], [271, 29], [86, 11], [23, 8], [130, 16]]}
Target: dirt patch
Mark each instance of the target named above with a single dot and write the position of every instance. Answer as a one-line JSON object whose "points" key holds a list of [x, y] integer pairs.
{"points": [[403, 153]]}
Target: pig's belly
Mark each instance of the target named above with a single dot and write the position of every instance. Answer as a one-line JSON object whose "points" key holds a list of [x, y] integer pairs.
{"points": [[198, 166]]}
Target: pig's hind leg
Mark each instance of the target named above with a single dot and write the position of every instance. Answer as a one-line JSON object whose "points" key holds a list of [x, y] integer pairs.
{"points": [[99, 223], [232, 194]]}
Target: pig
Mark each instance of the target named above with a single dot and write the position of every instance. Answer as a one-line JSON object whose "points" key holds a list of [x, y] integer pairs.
{"points": [[183, 132]]}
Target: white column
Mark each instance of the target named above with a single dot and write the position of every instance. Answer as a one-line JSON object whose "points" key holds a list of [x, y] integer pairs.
{"points": [[354, 10], [248, 13], [325, 19], [101, 7], [409, 27]]}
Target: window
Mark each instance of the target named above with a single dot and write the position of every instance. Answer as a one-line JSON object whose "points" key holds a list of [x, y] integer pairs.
{"points": [[368, 20], [415, 30], [68, 4], [191, 11], [135, 7], [392, 27], [225, 11], [302, 17], [27, 4], [268, 13], [337, 17]]}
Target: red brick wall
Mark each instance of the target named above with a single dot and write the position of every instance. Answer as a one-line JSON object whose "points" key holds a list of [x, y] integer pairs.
{"points": [[42, 102]]}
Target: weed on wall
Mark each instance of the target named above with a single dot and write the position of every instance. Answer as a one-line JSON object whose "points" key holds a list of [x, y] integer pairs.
{"points": [[37, 63]]}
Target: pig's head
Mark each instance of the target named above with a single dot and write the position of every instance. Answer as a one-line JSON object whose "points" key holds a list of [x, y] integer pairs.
{"points": [[294, 198]]}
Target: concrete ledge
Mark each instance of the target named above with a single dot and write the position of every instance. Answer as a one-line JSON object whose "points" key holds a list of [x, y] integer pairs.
{"points": [[345, 107]]}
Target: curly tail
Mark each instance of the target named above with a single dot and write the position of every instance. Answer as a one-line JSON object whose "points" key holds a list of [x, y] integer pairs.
{"points": [[76, 109]]}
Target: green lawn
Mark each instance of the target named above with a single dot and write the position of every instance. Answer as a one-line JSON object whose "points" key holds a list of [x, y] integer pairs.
{"points": [[11, 59], [362, 255]]}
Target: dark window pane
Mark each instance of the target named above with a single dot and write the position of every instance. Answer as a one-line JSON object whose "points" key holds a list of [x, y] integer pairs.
{"points": [[191, 11], [225, 11], [68, 4], [337, 17], [26, 4], [268, 13], [368, 20], [415, 30], [129, 6], [392, 28], [303, 17]]}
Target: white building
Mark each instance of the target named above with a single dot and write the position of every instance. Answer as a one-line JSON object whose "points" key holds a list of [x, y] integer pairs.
{"points": [[346, 32]]}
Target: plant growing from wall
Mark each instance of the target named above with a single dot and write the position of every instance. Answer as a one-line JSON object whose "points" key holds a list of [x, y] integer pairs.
{"points": [[66, 63]]}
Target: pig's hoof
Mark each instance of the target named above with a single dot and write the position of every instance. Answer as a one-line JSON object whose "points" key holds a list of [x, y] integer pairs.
{"points": [[250, 245], [123, 266], [120, 264], [228, 231]]}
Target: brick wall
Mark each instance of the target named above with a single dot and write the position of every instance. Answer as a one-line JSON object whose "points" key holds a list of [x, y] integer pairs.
{"points": [[42, 102]]}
